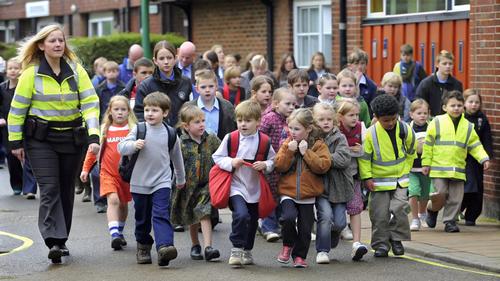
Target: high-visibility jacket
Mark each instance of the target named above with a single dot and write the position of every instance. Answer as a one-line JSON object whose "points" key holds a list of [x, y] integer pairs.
{"points": [[38, 94], [379, 161], [445, 148]]}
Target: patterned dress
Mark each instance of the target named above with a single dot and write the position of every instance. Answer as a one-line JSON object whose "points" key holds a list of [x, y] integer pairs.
{"points": [[192, 203]]}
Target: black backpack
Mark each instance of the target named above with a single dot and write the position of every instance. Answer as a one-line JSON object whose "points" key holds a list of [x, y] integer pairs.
{"points": [[127, 163]]}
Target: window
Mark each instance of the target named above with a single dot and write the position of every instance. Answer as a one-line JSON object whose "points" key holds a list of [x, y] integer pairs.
{"points": [[7, 32], [101, 24], [312, 30], [381, 8]]}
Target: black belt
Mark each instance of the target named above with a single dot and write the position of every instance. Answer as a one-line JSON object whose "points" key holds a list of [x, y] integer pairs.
{"points": [[60, 124]]}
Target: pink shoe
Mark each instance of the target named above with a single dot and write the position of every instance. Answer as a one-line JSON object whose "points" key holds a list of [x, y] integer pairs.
{"points": [[284, 256], [299, 262]]}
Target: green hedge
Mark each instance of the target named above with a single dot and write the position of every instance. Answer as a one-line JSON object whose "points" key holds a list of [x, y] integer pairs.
{"points": [[7, 51]]}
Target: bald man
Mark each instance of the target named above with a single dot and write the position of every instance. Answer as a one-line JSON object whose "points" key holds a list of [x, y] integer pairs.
{"points": [[135, 52], [186, 55]]}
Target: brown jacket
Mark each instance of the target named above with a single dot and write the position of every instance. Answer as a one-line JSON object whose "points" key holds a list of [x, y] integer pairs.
{"points": [[305, 170]]}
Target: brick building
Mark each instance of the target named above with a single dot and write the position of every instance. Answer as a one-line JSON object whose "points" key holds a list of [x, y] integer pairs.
{"points": [[469, 29]]}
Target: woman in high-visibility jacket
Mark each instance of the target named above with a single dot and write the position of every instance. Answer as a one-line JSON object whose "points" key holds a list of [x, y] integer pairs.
{"points": [[53, 94]]}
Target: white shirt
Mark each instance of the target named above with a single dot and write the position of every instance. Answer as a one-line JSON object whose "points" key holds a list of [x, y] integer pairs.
{"points": [[245, 181]]}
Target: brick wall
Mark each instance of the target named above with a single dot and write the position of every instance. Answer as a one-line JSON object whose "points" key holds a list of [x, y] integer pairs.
{"points": [[484, 76]]}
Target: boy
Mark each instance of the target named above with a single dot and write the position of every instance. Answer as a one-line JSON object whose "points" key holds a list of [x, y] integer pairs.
{"points": [[411, 72], [357, 62], [245, 185], [110, 87], [389, 153], [232, 91], [98, 71], [299, 82], [450, 137], [219, 113], [143, 68], [151, 180]]}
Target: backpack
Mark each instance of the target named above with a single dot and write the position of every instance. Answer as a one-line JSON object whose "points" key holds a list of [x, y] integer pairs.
{"points": [[127, 163]]}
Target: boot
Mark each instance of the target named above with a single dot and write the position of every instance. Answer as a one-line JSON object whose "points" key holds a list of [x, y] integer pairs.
{"points": [[143, 253]]}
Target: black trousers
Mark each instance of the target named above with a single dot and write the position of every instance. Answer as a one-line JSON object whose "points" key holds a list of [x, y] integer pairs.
{"points": [[296, 225], [473, 205], [15, 172], [55, 162]]}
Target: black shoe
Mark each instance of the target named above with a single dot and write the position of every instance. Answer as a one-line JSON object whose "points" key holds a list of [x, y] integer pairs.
{"points": [[334, 238], [196, 252], [65, 250], [397, 248], [101, 208], [451, 226], [470, 223], [166, 254], [179, 228], [381, 253], [78, 189], [431, 219], [55, 254], [116, 243], [124, 242], [211, 253], [86, 198]]}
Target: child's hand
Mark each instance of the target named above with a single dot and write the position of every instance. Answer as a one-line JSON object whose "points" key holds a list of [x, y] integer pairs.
{"points": [[259, 165], [486, 165], [427, 169], [2, 122], [237, 162], [94, 148], [370, 184], [292, 146], [357, 148], [84, 176], [303, 147], [139, 144], [180, 186]]}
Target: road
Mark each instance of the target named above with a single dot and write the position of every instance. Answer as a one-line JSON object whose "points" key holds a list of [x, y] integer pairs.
{"points": [[93, 259]]}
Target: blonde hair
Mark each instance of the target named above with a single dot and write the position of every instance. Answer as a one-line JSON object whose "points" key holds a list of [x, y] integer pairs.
{"points": [[258, 61], [444, 55], [108, 119], [188, 113], [110, 65], [346, 73], [248, 109], [473, 92], [98, 61], [304, 117], [29, 52], [12, 60], [342, 107], [205, 74], [391, 78], [231, 72], [418, 103], [325, 107], [326, 77], [280, 93], [357, 56]]}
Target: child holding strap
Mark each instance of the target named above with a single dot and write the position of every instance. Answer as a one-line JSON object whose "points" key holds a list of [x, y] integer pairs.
{"points": [[301, 160], [328, 88], [117, 120]]}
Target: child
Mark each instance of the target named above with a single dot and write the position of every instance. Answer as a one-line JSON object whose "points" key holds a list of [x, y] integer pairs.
{"points": [[143, 68], [328, 88], [232, 91], [357, 62], [115, 127], [230, 61], [262, 91], [110, 87], [331, 205], [315, 71], [258, 66], [411, 72], [215, 65], [420, 185], [151, 180], [347, 89], [98, 71], [191, 205], [389, 150], [391, 84], [273, 123], [449, 139], [245, 185], [473, 188], [286, 65], [432, 88], [302, 160], [354, 131], [298, 79]]}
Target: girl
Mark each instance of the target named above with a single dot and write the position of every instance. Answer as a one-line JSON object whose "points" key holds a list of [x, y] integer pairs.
{"points": [[391, 83], [331, 205], [301, 160], [117, 122], [473, 196], [317, 68], [287, 64], [348, 89], [354, 130], [232, 91], [262, 91], [258, 66], [167, 78], [273, 124], [419, 188], [328, 88], [191, 205]]}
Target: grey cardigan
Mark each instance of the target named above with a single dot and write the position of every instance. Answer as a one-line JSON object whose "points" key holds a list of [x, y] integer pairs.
{"points": [[339, 184]]}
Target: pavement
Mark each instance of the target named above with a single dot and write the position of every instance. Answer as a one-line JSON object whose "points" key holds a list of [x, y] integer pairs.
{"points": [[474, 246]]}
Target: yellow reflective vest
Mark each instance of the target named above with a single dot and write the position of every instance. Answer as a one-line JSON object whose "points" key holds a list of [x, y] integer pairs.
{"points": [[379, 161], [42, 96], [445, 149]]}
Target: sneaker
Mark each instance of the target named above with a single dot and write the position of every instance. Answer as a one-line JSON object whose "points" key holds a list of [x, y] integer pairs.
{"points": [[322, 258], [235, 258], [451, 226], [116, 243], [17, 191], [299, 262], [179, 228], [101, 208], [358, 251], [415, 225], [423, 218], [166, 254], [30, 196], [346, 233], [284, 256], [246, 257], [431, 218], [196, 252], [271, 236], [86, 198], [211, 253], [143, 254]]}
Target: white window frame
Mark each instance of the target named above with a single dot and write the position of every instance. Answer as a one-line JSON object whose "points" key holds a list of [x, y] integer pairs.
{"points": [[8, 27], [320, 4], [454, 8], [465, 7], [100, 18]]}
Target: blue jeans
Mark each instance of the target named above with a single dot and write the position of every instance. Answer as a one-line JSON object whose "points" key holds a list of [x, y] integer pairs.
{"points": [[331, 218], [94, 177], [271, 222], [153, 207], [245, 222], [29, 182]]}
